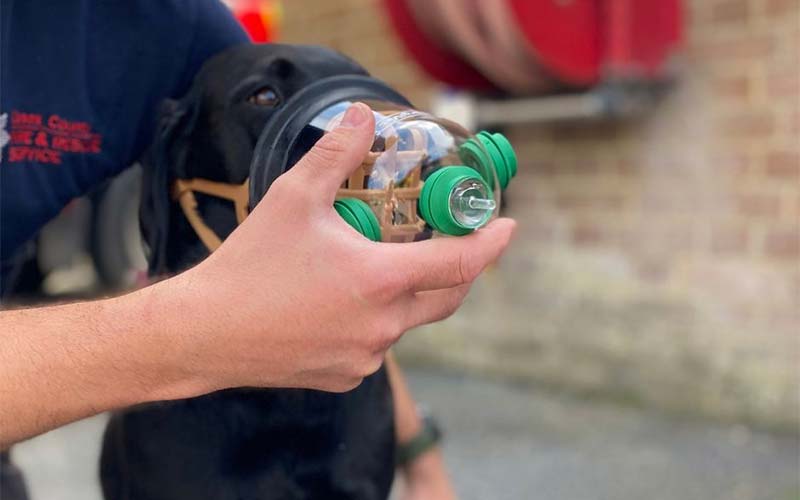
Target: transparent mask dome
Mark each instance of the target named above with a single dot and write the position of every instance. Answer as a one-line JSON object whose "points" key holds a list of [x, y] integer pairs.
{"points": [[423, 177]]}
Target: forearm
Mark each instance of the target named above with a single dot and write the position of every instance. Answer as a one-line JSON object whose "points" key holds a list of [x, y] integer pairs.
{"points": [[406, 418], [425, 476], [408, 424], [62, 363]]}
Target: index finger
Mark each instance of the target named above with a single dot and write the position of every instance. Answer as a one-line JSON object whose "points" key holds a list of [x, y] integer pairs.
{"points": [[451, 262]]}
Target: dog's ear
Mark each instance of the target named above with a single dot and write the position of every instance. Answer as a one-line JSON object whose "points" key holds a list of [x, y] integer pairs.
{"points": [[162, 163]]}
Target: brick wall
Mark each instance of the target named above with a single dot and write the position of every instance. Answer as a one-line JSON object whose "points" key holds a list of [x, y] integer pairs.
{"points": [[658, 260]]}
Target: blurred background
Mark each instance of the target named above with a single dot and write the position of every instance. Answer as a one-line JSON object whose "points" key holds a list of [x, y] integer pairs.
{"points": [[641, 338]]}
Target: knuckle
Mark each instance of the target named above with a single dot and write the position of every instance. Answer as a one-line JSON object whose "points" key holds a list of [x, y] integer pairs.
{"points": [[287, 185], [381, 286], [397, 281], [293, 190], [384, 332], [410, 278], [327, 148], [393, 329], [375, 342], [375, 335]]}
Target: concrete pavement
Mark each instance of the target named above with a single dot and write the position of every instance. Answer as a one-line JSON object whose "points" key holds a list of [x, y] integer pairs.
{"points": [[509, 443]]}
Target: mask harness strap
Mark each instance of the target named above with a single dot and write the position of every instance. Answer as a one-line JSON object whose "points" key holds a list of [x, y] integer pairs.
{"points": [[354, 187], [183, 192]]}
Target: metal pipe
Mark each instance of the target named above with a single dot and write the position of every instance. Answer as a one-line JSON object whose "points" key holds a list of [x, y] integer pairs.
{"points": [[540, 109]]}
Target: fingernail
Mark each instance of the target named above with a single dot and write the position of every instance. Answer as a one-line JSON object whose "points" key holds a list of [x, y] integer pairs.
{"points": [[355, 115]]}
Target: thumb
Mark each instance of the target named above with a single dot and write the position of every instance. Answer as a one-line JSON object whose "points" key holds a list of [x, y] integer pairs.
{"points": [[337, 154]]}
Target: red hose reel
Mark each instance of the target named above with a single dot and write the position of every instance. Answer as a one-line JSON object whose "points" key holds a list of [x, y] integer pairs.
{"points": [[259, 18], [574, 43]]}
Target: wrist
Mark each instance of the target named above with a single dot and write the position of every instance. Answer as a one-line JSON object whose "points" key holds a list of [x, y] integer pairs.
{"points": [[409, 425], [427, 438], [161, 344], [427, 466]]}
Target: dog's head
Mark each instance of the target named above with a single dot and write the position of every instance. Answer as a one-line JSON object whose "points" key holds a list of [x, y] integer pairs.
{"points": [[211, 134]]}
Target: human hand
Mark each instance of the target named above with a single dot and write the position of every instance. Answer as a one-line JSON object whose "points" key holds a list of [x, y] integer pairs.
{"points": [[296, 298]]}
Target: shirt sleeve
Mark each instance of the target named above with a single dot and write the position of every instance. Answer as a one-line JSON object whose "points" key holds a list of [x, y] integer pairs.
{"points": [[188, 32], [215, 29]]}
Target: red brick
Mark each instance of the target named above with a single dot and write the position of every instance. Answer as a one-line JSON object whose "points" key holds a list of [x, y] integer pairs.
{"points": [[794, 122], [537, 231], [730, 11], [737, 163], [653, 270], [742, 48], [784, 319], [732, 87], [784, 165], [670, 200], [729, 240], [781, 7], [545, 167], [751, 125], [758, 205], [588, 235], [796, 284], [783, 244], [588, 201], [662, 238], [784, 84], [578, 166], [627, 167]]}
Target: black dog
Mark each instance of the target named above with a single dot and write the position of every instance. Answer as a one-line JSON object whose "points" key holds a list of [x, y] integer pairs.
{"points": [[241, 443]]}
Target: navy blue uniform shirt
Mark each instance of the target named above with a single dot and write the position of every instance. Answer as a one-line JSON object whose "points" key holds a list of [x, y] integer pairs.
{"points": [[80, 85]]}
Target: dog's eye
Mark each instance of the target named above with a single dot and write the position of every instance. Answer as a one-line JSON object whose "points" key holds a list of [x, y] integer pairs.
{"points": [[264, 96]]}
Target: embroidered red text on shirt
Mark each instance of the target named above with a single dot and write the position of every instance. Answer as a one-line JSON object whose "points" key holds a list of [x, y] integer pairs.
{"points": [[34, 139]]}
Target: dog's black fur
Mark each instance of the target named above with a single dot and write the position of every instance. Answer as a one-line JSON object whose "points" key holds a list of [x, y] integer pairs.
{"points": [[241, 444]]}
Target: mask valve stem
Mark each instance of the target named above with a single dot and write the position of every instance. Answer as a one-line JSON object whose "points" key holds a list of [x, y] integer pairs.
{"points": [[481, 203]]}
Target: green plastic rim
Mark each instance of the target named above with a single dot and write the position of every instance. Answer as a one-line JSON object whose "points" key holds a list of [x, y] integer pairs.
{"points": [[500, 166], [359, 216], [507, 151], [434, 200], [490, 152]]}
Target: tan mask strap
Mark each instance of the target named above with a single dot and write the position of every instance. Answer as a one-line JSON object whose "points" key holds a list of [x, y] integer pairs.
{"points": [[183, 191]]}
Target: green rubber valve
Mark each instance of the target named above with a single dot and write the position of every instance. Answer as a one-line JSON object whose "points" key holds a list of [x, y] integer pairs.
{"points": [[488, 152], [359, 216], [456, 200], [506, 150]]}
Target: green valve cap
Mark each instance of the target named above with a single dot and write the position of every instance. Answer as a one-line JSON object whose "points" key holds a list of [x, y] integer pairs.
{"points": [[359, 216], [507, 152], [503, 156], [487, 150], [456, 200]]}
